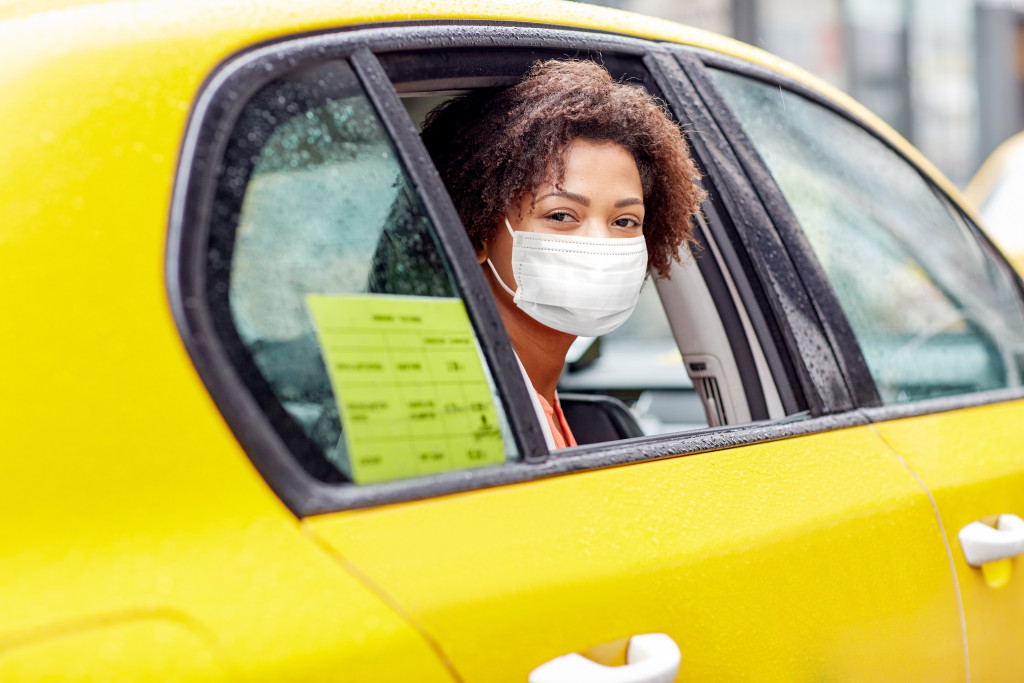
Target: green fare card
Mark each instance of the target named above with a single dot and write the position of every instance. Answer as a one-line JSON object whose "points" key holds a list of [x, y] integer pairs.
{"points": [[411, 390]]}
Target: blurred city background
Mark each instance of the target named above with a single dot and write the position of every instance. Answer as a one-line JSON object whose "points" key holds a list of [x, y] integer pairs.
{"points": [[947, 74]]}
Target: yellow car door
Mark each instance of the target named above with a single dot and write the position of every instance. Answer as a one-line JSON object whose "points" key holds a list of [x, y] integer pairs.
{"points": [[806, 558], [938, 318], [970, 457], [311, 233]]}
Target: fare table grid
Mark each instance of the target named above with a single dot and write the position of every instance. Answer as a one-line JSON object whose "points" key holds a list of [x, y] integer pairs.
{"points": [[412, 393]]}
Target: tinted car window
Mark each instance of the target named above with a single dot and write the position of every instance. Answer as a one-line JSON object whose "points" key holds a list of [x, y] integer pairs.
{"points": [[341, 301], [934, 313]]}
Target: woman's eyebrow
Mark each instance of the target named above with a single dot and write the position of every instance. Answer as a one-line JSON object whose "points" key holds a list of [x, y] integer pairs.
{"points": [[578, 198]]}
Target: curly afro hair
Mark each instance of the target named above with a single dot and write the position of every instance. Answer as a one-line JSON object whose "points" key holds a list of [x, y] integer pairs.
{"points": [[492, 147]]}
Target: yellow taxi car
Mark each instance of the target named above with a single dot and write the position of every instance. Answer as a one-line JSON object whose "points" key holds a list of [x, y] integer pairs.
{"points": [[995, 191], [261, 420]]}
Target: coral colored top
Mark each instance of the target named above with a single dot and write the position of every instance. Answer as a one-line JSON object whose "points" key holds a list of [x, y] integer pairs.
{"points": [[556, 413]]}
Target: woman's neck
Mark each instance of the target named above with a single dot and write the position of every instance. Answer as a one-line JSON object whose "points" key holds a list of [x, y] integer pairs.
{"points": [[541, 349]]}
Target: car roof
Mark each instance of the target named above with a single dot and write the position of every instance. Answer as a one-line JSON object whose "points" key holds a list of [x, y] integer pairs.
{"points": [[1010, 153]]}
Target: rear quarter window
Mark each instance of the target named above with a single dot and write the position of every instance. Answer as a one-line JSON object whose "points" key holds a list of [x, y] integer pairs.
{"points": [[327, 281]]}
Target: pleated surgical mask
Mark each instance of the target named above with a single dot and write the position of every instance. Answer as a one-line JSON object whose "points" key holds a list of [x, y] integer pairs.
{"points": [[585, 286]]}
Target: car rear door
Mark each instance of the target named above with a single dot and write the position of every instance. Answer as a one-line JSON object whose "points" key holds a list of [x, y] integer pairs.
{"points": [[798, 548], [938, 320]]}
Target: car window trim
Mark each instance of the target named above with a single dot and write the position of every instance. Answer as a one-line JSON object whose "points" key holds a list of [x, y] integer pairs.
{"points": [[469, 279], [209, 126], [735, 331], [826, 307], [755, 241], [721, 216], [208, 131], [943, 404]]}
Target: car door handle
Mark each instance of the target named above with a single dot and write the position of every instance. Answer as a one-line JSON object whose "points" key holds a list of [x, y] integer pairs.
{"points": [[650, 658], [982, 544]]}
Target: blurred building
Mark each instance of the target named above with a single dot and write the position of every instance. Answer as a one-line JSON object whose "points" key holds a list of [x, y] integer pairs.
{"points": [[947, 74]]}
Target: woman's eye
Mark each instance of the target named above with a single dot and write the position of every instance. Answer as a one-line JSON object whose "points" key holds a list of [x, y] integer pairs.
{"points": [[631, 223], [561, 216]]}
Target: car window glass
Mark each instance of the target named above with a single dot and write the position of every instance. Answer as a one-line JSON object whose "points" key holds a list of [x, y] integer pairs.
{"points": [[934, 313], [339, 294]]}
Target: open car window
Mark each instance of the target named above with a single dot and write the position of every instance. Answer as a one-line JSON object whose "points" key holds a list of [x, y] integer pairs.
{"points": [[672, 367]]}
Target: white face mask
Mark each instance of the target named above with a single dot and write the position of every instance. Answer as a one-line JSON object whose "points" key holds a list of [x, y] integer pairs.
{"points": [[585, 286]]}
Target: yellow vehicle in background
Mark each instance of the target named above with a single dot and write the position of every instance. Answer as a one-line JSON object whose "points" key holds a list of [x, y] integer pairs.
{"points": [[995, 190], [222, 243]]}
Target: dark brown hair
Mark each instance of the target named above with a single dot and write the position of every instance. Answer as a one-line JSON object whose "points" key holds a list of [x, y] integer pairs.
{"points": [[493, 147]]}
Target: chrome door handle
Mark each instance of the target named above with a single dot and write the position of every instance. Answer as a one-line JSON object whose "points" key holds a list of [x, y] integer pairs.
{"points": [[650, 658], [983, 544]]}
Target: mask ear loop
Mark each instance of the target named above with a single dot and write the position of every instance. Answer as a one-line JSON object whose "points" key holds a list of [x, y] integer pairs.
{"points": [[494, 270]]}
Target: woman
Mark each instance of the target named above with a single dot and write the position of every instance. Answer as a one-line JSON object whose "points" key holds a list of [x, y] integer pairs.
{"points": [[571, 187]]}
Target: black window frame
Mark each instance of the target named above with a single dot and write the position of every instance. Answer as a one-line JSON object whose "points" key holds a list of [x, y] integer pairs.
{"points": [[865, 394], [764, 281], [756, 256]]}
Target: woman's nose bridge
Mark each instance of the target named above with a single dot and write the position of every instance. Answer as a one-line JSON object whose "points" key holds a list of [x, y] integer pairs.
{"points": [[595, 226]]}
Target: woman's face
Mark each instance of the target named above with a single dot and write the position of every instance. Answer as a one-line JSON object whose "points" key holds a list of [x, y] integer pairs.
{"points": [[601, 196]]}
